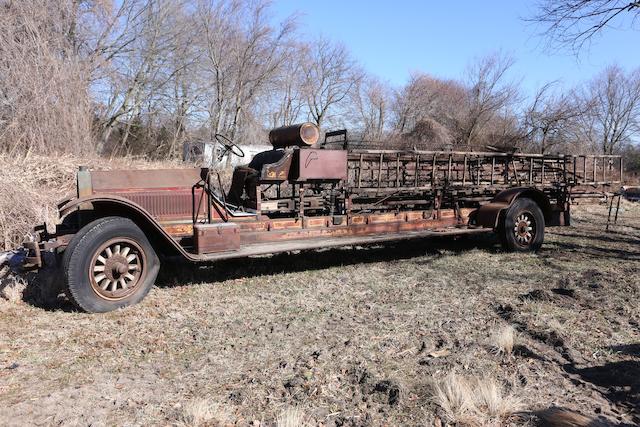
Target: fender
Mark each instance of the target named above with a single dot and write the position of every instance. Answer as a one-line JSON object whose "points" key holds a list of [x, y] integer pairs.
{"points": [[119, 206], [488, 215]]}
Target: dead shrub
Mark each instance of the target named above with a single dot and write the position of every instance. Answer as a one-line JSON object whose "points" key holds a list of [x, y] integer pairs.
{"points": [[492, 401], [473, 402], [455, 397], [46, 103], [502, 341], [291, 417], [202, 413]]}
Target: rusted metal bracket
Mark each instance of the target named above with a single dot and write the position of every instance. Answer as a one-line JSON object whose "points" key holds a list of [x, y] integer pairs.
{"points": [[33, 259], [617, 196]]}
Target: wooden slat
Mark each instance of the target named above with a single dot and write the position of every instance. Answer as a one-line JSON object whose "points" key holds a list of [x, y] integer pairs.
{"points": [[398, 170], [380, 169], [464, 171], [433, 170], [360, 172]]}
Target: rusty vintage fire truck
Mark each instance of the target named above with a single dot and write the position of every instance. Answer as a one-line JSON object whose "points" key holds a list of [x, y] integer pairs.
{"points": [[112, 236]]}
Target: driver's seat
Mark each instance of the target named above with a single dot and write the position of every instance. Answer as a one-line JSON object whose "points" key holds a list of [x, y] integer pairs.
{"points": [[277, 172], [248, 177]]}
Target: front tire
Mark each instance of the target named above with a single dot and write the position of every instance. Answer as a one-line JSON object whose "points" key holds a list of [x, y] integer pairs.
{"points": [[522, 227], [109, 264]]}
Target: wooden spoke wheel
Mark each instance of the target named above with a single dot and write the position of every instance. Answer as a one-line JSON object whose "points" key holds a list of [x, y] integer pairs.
{"points": [[109, 264], [117, 268], [525, 228], [522, 228]]}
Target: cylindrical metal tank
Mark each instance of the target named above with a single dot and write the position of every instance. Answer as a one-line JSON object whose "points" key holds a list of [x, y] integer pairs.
{"points": [[301, 135]]}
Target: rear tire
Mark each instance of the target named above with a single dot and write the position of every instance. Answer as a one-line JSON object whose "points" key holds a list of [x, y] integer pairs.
{"points": [[522, 227], [109, 264]]}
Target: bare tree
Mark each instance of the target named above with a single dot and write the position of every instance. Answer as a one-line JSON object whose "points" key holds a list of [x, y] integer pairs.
{"points": [[573, 23], [144, 68], [488, 93], [286, 101], [613, 115], [548, 120], [173, 105], [216, 22], [142, 76], [44, 101], [330, 74], [503, 131], [429, 110], [371, 100], [242, 57], [631, 155], [438, 113], [258, 59]]}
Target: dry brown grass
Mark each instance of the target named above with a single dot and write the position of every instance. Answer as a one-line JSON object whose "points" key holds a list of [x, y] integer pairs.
{"points": [[290, 417], [492, 401], [46, 104], [503, 340], [201, 412], [454, 395], [12, 288], [477, 401], [350, 336], [31, 186]]}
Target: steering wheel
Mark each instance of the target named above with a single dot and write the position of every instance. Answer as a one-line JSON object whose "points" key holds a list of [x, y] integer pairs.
{"points": [[227, 143]]}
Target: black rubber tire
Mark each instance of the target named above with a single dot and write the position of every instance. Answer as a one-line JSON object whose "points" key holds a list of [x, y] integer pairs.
{"points": [[79, 253], [522, 208]]}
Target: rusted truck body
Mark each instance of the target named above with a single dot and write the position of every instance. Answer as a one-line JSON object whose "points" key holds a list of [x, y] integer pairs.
{"points": [[112, 236]]}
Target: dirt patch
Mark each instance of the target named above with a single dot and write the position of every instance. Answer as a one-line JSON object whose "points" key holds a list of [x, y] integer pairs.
{"points": [[535, 295]]}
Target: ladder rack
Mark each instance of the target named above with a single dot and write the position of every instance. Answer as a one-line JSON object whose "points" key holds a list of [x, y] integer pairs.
{"points": [[388, 169]]}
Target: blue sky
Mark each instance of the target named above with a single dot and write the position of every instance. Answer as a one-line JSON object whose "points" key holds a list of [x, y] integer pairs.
{"points": [[393, 38]]}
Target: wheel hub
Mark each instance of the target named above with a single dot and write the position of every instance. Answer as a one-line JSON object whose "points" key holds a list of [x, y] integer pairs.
{"points": [[524, 229], [116, 268]]}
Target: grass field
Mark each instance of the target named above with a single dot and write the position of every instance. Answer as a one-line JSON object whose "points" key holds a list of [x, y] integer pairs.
{"points": [[433, 332]]}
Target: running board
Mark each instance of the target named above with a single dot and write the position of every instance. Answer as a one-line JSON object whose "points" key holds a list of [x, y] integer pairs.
{"points": [[319, 243]]}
